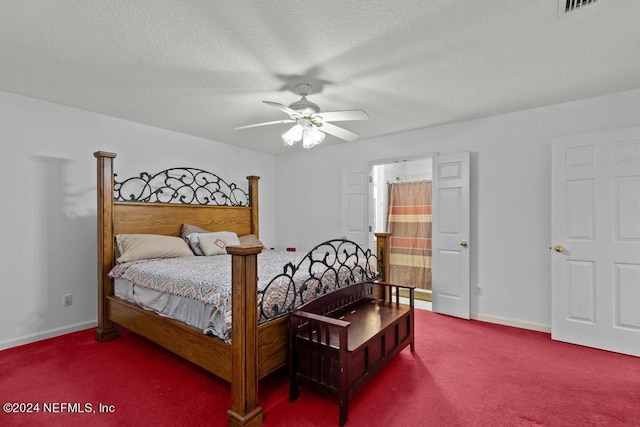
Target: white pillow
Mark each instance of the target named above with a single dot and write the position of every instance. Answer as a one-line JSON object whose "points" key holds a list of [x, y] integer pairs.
{"points": [[228, 237]]}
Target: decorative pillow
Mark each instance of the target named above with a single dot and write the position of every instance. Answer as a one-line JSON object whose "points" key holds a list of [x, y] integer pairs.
{"points": [[188, 229], [132, 247], [250, 239], [228, 237], [211, 245]]}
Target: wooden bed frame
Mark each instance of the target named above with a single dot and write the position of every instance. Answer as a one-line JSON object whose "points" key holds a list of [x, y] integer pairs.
{"points": [[255, 351]]}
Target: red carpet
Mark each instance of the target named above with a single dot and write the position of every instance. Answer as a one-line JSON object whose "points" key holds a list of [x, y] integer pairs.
{"points": [[463, 373]]}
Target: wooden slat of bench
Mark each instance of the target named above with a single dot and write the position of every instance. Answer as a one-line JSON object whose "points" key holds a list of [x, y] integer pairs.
{"points": [[367, 319]]}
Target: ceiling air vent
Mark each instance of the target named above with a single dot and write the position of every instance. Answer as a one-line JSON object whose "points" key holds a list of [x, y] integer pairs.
{"points": [[569, 7]]}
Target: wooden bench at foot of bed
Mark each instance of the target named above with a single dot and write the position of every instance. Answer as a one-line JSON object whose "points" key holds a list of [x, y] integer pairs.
{"points": [[340, 340]]}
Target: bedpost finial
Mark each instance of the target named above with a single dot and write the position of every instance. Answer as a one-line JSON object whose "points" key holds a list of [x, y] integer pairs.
{"points": [[99, 154]]}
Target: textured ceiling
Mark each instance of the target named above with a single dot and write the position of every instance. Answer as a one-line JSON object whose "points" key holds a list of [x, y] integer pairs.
{"points": [[203, 67]]}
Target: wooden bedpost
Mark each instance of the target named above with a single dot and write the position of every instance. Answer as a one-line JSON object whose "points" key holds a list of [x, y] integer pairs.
{"points": [[106, 329], [382, 252], [245, 410], [253, 199]]}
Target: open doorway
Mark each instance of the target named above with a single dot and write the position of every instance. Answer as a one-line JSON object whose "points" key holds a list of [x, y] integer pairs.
{"points": [[401, 204]]}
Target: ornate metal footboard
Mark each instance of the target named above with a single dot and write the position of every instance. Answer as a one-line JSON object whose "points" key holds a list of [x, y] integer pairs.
{"points": [[330, 265]]}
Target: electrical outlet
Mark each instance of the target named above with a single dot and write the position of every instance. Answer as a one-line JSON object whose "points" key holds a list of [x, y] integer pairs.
{"points": [[478, 291], [67, 300]]}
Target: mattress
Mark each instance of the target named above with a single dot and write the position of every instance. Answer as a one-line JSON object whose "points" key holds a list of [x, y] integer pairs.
{"points": [[190, 311], [197, 290]]}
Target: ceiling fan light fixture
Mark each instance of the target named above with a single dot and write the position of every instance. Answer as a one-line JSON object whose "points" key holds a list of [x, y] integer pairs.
{"points": [[303, 131], [311, 136], [293, 135], [308, 119]]}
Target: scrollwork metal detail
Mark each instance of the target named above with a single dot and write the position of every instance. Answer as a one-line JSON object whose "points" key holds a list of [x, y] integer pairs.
{"points": [[181, 186], [330, 265]]}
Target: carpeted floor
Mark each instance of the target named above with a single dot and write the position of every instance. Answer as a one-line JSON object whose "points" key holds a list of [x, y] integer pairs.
{"points": [[463, 373]]}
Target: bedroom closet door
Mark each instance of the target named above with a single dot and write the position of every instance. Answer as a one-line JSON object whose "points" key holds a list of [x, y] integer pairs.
{"points": [[595, 240], [451, 290], [355, 204]]}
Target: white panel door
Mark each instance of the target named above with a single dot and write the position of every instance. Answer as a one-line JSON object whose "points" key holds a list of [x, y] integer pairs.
{"points": [[355, 204], [595, 231], [450, 235]]}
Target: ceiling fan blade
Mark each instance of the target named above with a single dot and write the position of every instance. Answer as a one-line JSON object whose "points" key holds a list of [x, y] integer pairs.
{"points": [[266, 123], [342, 116], [282, 107], [341, 133]]}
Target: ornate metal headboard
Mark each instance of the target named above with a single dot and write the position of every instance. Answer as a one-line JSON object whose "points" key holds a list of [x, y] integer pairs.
{"points": [[180, 185]]}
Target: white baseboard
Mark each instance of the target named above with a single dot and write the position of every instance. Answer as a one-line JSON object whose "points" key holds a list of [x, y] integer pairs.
{"points": [[28, 339], [540, 327]]}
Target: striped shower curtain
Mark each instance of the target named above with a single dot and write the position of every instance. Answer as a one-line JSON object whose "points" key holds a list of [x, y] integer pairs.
{"points": [[409, 223]]}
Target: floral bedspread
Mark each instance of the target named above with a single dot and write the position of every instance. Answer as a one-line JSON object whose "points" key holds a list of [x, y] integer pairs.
{"points": [[208, 279]]}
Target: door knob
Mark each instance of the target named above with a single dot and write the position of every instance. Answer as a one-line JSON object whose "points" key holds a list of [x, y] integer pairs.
{"points": [[559, 248], [464, 244]]}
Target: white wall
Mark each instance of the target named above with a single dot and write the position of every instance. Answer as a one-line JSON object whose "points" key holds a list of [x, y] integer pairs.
{"points": [[47, 193], [409, 170], [48, 204], [510, 202]]}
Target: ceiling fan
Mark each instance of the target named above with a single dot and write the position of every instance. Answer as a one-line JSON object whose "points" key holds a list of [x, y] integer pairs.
{"points": [[310, 123]]}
